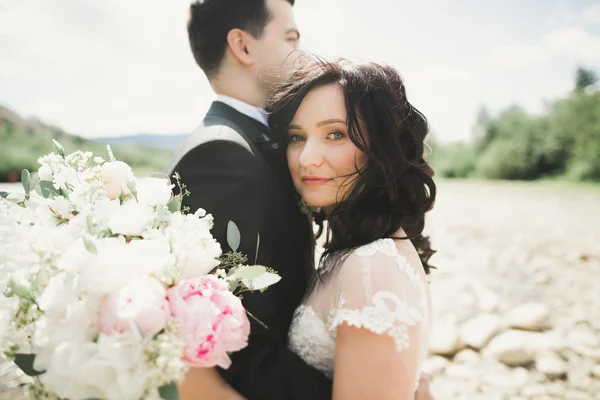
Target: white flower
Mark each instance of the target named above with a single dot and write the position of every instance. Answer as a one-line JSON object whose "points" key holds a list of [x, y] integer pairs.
{"points": [[197, 250], [61, 206], [131, 219], [111, 369], [115, 176], [112, 267], [201, 259], [154, 191], [154, 254], [45, 173]]}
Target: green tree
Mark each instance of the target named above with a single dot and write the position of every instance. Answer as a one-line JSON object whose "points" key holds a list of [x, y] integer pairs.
{"points": [[584, 78]]}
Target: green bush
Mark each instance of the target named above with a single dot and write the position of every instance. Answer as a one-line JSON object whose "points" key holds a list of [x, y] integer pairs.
{"points": [[456, 160]]}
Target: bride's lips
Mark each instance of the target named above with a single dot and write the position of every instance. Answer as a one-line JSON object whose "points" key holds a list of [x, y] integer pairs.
{"points": [[311, 180]]}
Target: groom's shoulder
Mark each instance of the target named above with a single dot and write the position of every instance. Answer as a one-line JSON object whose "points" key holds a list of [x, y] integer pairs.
{"points": [[214, 135], [214, 128]]}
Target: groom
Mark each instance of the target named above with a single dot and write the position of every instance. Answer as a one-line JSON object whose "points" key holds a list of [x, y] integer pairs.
{"points": [[236, 171]]}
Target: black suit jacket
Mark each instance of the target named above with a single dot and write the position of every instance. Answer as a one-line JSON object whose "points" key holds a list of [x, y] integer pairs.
{"points": [[236, 172]]}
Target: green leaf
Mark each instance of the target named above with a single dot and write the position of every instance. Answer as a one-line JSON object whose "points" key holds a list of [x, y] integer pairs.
{"points": [[132, 186], [34, 180], [262, 281], [26, 181], [160, 176], [58, 148], [3, 194], [25, 362], [175, 204], [251, 272], [47, 189], [89, 245], [234, 237], [89, 223], [169, 391], [257, 247]]}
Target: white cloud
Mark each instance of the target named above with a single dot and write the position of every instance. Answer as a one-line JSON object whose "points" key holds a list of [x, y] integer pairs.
{"points": [[116, 67], [519, 56], [591, 13], [97, 68], [576, 43], [571, 42]]}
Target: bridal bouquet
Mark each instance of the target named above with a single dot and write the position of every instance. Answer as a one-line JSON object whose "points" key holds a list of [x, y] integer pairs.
{"points": [[115, 291]]}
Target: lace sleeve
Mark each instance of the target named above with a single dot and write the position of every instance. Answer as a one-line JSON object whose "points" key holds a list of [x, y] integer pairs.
{"points": [[377, 289]]}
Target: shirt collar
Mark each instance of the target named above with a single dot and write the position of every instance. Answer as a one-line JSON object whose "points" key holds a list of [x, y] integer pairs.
{"points": [[251, 111]]}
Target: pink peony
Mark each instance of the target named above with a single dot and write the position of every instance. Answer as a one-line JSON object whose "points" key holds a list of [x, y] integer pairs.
{"points": [[142, 302], [212, 319]]}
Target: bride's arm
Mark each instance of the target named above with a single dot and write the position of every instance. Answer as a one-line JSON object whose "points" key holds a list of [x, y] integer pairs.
{"points": [[368, 366], [380, 315], [206, 383]]}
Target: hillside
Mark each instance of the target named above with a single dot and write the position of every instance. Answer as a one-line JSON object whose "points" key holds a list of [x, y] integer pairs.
{"points": [[169, 142], [23, 141]]}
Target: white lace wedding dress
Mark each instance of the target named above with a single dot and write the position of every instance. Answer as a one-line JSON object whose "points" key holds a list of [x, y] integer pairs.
{"points": [[375, 288]]}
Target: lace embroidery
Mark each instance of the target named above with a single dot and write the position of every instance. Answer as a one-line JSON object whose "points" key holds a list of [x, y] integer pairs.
{"points": [[309, 338], [378, 317], [313, 336]]}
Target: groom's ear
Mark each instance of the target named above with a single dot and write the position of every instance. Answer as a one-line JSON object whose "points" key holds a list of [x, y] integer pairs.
{"points": [[238, 43]]}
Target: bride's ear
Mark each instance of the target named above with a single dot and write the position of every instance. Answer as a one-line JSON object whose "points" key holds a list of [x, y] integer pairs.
{"points": [[239, 46]]}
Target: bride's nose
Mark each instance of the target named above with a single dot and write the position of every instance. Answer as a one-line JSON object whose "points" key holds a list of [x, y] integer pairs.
{"points": [[312, 154]]}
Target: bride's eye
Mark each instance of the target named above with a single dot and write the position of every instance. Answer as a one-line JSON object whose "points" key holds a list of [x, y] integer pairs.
{"points": [[295, 138], [336, 135]]}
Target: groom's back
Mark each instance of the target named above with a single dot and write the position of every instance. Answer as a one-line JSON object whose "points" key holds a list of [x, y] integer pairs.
{"points": [[233, 173]]}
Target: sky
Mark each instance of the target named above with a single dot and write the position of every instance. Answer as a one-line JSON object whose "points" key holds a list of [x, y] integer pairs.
{"points": [[118, 67]]}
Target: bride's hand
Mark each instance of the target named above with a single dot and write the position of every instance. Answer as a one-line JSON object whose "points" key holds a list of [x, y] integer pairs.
{"points": [[423, 391], [206, 383]]}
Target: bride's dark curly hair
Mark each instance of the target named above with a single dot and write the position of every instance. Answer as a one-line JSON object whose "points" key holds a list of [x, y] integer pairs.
{"points": [[395, 188]]}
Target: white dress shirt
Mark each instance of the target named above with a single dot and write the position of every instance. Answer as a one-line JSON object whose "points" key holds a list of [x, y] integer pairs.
{"points": [[251, 111]]}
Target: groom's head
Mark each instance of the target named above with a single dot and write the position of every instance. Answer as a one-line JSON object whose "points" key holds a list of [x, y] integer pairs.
{"points": [[252, 38]]}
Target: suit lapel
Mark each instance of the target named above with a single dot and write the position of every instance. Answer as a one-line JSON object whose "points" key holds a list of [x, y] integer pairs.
{"points": [[258, 136]]}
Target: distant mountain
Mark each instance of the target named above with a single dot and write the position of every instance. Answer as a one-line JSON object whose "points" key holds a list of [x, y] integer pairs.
{"points": [[169, 142], [24, 140]]}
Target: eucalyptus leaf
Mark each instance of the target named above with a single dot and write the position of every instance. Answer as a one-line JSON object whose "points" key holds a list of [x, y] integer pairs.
{"points": [[16, 197], [34, 179], [257, 247], [160, 176], [169, 391], [132, 186], [251, 272], [58, 148], [47, 189], [234, 237], [25, 363], [262, 282], [26, 181], [89, 223], [89, 245], [175, 204]]}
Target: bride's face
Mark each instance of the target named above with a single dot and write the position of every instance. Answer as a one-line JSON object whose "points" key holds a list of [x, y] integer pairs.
{"points": [[322, 159]]}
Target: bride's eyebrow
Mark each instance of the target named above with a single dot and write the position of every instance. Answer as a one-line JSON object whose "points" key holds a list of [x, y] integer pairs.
{"points": [[294, 127], [331, 121]]}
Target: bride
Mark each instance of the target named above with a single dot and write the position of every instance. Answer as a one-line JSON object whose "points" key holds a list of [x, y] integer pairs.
{"points": [[355, 151]]}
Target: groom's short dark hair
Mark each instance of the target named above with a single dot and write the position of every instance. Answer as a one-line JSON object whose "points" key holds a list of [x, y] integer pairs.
{"points": [[211, 20]]}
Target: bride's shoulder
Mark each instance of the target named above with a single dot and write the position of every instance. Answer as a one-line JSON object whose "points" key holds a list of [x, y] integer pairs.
{"points": [[380, 254], [386, 247], [384, 259]]}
